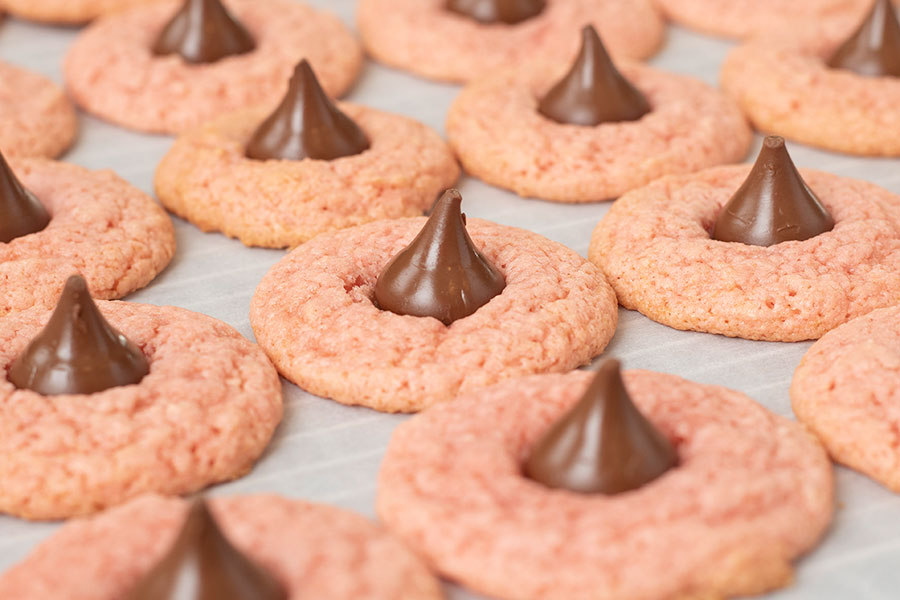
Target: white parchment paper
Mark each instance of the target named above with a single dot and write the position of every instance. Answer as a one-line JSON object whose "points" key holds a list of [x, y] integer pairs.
{"points": [[329, 453]]}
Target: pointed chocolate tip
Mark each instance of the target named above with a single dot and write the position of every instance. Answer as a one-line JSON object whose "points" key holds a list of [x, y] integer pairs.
{"points": [[441, 273], [593, 91], [74, 287], [78, 351], [773, 205], [873, 50], [590, 39], [306, 124], [21, 213], [510, 12], [203, 31], [603, 445], [449, 202], [302, 71], [202, 563]]}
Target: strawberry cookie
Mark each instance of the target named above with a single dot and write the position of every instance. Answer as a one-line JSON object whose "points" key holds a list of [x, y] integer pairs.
{"points": [[457, 40], [585, 486], [745, 18], [66, 12], [428, 308], [279, 178], [60, 219], [847, 390], [167, 66], [828, 86], [100, 402], [268, 547], [764, 253], [594, 132], [38, 119]]}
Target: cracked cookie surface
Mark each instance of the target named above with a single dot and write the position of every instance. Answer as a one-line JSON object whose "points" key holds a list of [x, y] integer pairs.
{"points": [[316, 551], [500, 136], [314, 316], [752, 492], [423, 37], [203, 414], [38, 119], [101, 226], [847, 390], [207, 179], [654, 246], [111, 72]]}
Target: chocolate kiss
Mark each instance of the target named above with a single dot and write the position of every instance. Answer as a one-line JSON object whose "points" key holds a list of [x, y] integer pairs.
{"points": [[603, 445], [874, 49], [203, 31], [497, 11], [78, 351], [593, 91], [773, 205], [441, 274], [306, 124], [21, 212], [203, 565]]}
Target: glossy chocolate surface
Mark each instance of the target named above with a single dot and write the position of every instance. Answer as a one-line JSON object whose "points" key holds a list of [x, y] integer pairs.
{"points": [[603, 445], [203, 565], [441, 273], [22, 213], [510, 12], [203, 31], [593, 91], [306, 124], [78, 351], [773, 205], [874, 48]]}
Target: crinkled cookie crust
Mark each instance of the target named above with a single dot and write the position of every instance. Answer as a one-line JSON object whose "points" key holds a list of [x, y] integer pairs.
{"points": [[495, 128], [111, 72], [784, 86], [66, 12], [422, 37], [316, 551], [38, 119], [847, 390], [751, 493], [207, 179], [744, 18], [102, 227], [313, 314], [203, 414], [654, 247]]}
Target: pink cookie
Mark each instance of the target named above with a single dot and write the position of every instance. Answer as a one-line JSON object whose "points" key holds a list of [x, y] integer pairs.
{"points": [[423, 37], [744, 18], [317, 551], [116, 236], [38, 119], [203, 414], [110, 70], [752, 492], [70, 12], [207, 179], [655, 248], [784, 86], [313, 314], [495, 128], [847, 390]]}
